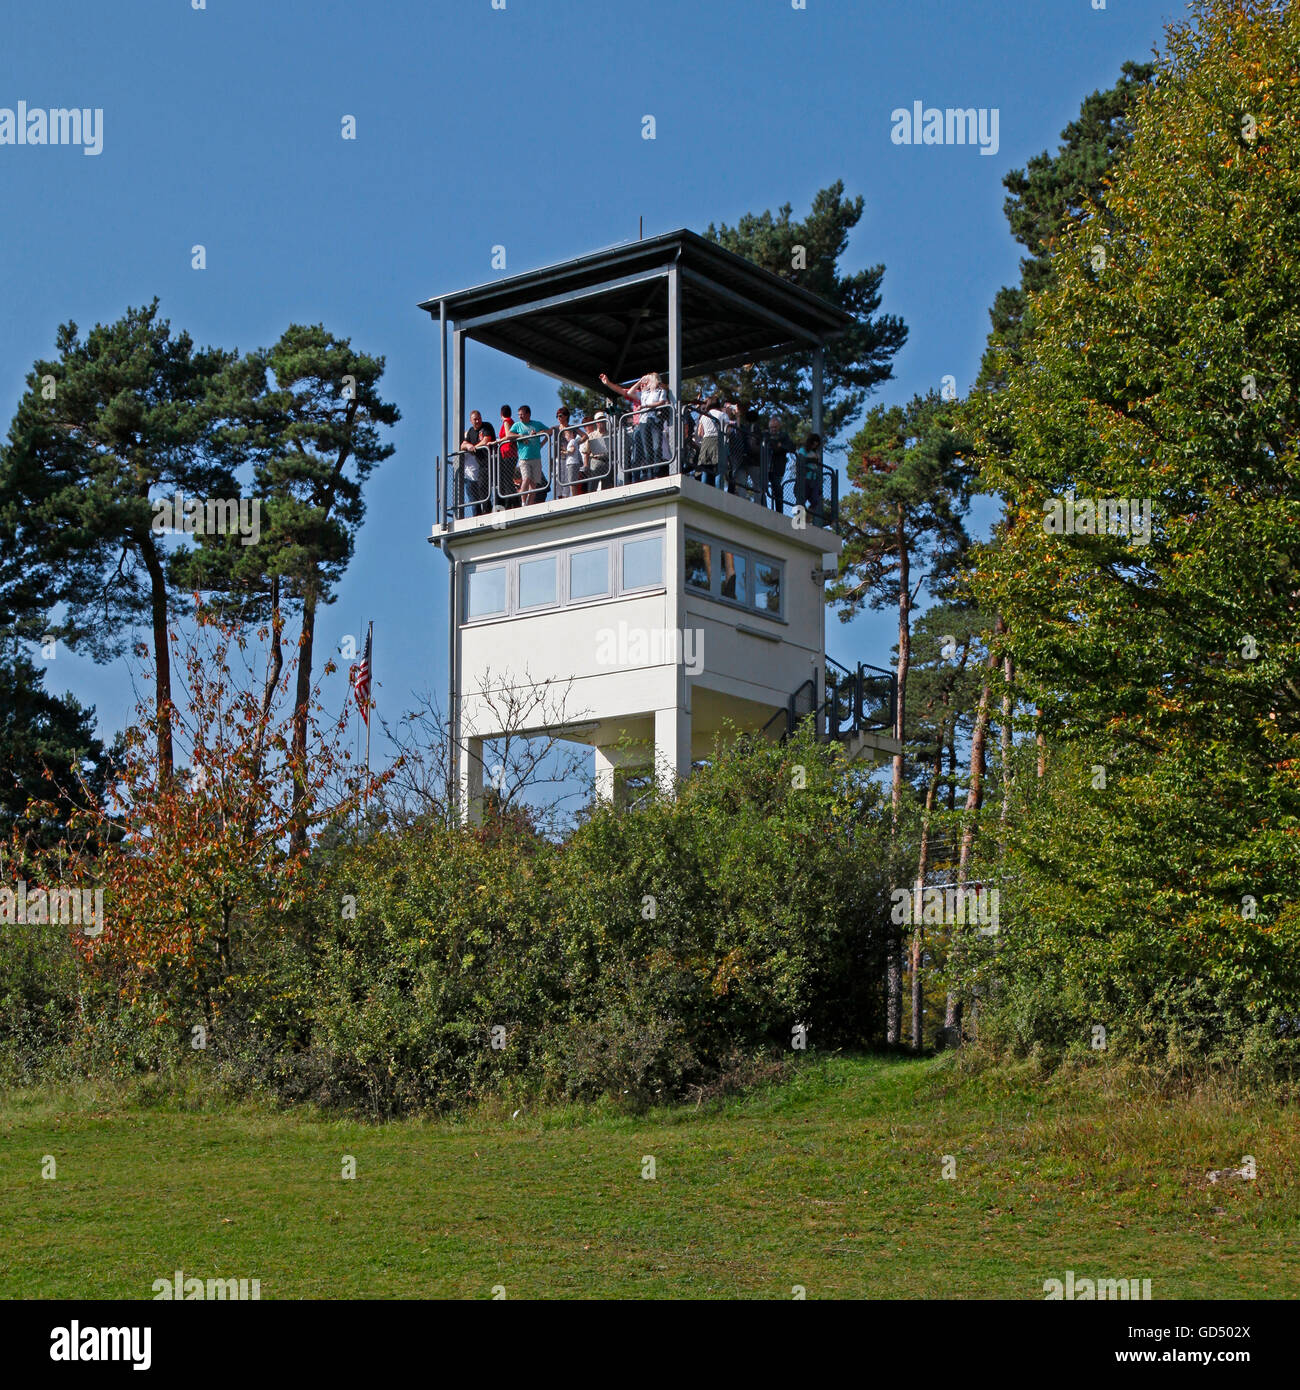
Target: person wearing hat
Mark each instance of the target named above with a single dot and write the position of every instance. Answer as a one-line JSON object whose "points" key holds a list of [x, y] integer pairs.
{"points": [[595, 450]]}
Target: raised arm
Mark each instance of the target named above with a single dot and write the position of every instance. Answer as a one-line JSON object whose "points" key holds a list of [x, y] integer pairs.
{"points": [[614, 386]]}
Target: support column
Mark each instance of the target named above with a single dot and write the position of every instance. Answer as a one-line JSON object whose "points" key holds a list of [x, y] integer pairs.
{"points": [[818, 366], [672, 746], [611, 784], [442, 384], [471, 782], [675, 358], [458, 382]]}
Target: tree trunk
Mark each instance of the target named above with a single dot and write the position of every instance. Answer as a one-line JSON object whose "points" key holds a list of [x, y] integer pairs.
{"points": [[162, 656], [974, 800], [894, 963], [274, 668], [1008, 676], [301, 715], [922, 864]]}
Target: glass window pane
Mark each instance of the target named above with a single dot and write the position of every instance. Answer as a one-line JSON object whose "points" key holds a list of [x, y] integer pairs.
{"points": [[767, 587], [735, 583], [485, 594], [589, 573], [537, 582], [643, 563], [699, 563]]}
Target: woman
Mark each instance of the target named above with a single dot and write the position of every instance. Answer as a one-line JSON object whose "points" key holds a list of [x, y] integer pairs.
{"points": [[656, 422], [647, 424], [507, 462], [708, 431]]}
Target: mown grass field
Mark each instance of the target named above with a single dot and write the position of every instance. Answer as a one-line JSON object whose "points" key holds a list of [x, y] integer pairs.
{"points": [[831, 1181]]}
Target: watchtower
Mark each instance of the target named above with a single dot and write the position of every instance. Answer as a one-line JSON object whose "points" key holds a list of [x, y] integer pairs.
{"points": [[669, 584]]}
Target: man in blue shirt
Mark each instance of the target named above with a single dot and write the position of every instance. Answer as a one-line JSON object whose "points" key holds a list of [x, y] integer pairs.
{"points": [[530, 455]]}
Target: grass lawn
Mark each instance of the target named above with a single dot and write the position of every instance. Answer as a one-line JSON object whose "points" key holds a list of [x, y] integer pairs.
{"points": [[831, 1181]]}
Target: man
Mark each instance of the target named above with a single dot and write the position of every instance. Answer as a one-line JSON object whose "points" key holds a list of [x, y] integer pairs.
{"points": [[742, 453], [529, 433], [475, 462], [779, 448], [808, 477]]}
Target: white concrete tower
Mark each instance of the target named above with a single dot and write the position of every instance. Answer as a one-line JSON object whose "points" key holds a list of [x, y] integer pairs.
{"points": [[629, 603]]}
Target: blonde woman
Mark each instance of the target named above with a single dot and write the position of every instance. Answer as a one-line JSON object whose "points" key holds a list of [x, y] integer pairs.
{"points": [[647, 424]]}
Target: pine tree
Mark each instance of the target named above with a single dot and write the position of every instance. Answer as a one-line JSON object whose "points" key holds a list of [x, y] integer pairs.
{"points": [[117, 419], [902, 524]]}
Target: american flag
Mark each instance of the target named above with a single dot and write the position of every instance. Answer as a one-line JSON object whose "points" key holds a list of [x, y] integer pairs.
{"points": [[361, 682]]}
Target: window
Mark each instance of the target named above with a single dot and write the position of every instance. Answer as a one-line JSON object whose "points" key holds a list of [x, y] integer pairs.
{"points": [[643, 563], [735, 577], [767, 587], [485, 591], [740, 577], [539, 582], [699, 563], [527, 584], [589, 574]]}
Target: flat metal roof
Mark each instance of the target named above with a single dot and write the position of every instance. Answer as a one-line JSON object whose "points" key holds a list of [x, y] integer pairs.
{"points": [[608, 311]]}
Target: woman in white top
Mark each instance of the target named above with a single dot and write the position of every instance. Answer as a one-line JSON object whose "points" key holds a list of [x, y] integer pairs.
{"points": [[708, 430], [649, 435]]}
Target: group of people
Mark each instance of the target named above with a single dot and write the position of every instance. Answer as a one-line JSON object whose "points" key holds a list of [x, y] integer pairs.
{"points": [[581, 456], [719, 445], [725, 449]]}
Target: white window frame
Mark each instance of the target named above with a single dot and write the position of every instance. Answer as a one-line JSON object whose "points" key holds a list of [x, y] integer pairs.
{"points": [[610, 550], [531, 559], [563, 555], [471, 570], [642, 536]]}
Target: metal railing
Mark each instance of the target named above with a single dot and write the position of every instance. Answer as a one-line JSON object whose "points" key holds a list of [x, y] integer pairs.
{"points": [[641, 443], [853, 701]]}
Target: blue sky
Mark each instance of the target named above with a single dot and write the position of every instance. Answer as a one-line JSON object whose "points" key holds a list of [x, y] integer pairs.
{"points": [[521, 127]]}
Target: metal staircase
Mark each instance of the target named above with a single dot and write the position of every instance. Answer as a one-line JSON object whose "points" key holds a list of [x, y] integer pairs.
{"points": [[857, 707]]}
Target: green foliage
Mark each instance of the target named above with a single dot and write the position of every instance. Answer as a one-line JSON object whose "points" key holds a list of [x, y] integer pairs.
{"points": [[122, 414], [306, 415], [48, 749], [1161, 369], [637, 959], [1050, 193], [910, 488], [1122, 908]]}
